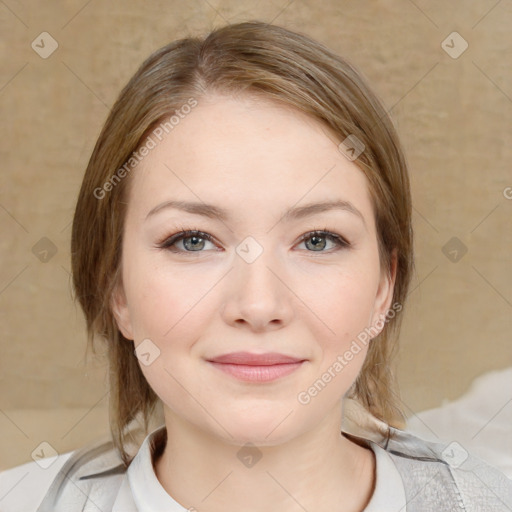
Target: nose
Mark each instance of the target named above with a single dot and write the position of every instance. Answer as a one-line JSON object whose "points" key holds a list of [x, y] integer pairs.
{"points": [[257, 296]]}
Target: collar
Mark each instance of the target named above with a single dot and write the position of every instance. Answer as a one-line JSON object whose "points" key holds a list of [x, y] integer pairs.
{"points": [[141, 490]]}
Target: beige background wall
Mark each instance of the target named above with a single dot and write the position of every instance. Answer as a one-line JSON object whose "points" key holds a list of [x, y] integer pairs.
{"points": [[453, 116]]}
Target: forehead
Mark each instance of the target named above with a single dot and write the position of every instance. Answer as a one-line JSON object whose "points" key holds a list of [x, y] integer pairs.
{"points": [[247, 152]]}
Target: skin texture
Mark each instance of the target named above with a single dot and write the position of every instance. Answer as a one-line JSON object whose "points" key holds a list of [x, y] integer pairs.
{"points": [[256, 159]]}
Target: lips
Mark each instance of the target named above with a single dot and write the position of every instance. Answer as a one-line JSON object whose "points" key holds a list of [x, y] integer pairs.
{"points": [[257, 368], [246, 358]]}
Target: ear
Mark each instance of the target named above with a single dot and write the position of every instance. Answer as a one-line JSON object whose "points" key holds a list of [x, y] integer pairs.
{"points": [[384, 295], [120, 311]]}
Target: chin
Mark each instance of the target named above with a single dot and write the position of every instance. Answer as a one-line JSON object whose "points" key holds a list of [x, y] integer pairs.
{"points": [[262, 429]]}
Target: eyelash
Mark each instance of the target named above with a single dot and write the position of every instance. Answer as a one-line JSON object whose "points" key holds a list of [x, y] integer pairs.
{"points": [[168, 242]]}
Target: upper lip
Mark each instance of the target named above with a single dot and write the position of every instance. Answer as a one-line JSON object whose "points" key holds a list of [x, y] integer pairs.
{"points": [[246, 358]]}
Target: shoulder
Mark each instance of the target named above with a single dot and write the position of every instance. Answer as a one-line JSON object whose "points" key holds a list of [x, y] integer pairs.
{"points": [[448, 473], [437, 476], [66, 482], [23, 487]]}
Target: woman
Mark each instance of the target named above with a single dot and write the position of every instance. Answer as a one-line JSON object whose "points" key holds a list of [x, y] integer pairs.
{"points": [[242, 240]]}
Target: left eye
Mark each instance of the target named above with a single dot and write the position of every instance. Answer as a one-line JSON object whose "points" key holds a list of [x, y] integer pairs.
{"points": [[192, 241], [317, 240]]}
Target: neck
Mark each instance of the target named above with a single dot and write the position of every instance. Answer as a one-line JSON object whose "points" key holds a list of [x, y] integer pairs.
{"points": [[319, 470]]}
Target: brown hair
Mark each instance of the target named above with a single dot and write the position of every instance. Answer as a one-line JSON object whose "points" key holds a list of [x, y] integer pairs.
{"points": [[280, 65]]}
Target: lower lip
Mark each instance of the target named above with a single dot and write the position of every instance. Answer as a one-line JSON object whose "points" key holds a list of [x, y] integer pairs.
{"points": [[251, 373]]}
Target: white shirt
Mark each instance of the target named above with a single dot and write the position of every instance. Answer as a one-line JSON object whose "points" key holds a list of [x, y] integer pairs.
{"points": [[141, 490]]}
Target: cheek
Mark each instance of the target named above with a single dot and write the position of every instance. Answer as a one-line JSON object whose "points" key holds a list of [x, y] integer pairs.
{"points": [[162, 299], [166, 308], [343, 301]]}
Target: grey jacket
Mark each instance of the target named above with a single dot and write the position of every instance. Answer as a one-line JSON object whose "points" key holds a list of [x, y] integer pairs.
{"points": [[437, 477]]}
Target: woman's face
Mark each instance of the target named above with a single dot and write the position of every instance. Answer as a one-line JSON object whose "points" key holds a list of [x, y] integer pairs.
{"points": [[256, 178]]}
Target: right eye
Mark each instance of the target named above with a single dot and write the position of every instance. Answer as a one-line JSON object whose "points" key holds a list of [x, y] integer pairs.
{"points": [[192, 241]]}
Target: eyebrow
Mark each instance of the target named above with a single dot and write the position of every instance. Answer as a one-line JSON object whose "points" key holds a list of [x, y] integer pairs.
{"points": [[295, 213]]}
